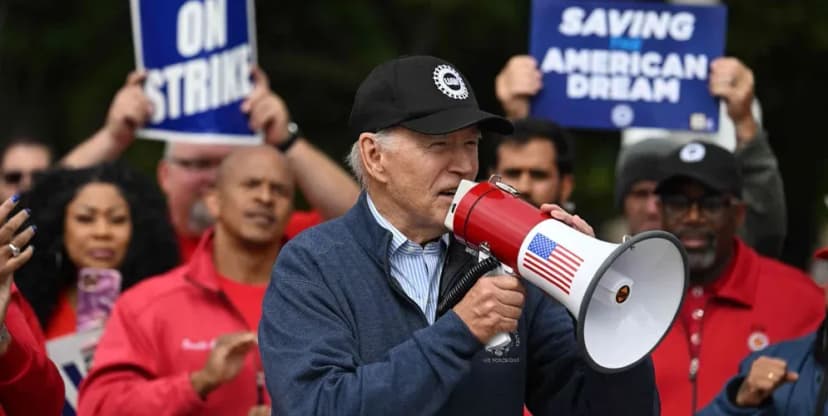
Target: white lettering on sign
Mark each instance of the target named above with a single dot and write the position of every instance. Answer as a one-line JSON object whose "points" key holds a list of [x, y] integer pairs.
{"points": [[639, 24], [623, 88], [213, 77], [199, 85], [624, 75], [201, 26], [617, 62]]}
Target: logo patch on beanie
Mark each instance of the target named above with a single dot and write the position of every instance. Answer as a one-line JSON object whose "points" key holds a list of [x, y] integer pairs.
{"points": [[450, 83], [692, 152]]}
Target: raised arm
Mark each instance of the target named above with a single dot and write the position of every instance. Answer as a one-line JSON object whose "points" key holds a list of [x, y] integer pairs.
{"points": [[328, 187], [130, 109], [765, 226]]}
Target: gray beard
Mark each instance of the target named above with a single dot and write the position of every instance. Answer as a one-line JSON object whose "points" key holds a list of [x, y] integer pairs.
{"points": [[701, 261], [200, 219]]}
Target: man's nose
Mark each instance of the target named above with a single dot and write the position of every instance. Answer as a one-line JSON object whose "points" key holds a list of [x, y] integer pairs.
{"points": [[463, 164], [523, 184], [652, 204]]}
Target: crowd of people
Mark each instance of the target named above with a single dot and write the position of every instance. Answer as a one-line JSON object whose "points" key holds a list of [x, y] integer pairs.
{"points": [[230, 301]]}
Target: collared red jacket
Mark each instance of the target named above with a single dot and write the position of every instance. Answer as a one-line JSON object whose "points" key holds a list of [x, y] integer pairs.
{"points": [[29, 382], [757, 301], [160, 332]]}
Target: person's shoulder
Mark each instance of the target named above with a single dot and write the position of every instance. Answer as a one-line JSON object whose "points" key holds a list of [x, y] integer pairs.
{"points": [[782, 276], [154, 291]]}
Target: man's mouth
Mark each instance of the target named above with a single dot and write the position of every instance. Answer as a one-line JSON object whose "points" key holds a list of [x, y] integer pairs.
{"points": [[696, 241], [448, 192], [262, 218]]}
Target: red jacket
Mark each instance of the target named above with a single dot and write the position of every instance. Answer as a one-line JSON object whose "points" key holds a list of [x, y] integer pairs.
{"points": [[161, 331], [756, 302], [29, 383]]}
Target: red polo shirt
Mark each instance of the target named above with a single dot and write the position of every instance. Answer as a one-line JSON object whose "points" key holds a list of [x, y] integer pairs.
{"points": [[757, 301]]}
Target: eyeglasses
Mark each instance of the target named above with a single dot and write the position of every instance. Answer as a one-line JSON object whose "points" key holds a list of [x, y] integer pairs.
{"points": [[196, 163], [14, 177], [709, 205]]}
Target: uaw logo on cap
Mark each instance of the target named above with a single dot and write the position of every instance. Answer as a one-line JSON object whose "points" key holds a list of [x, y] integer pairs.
{"points": [[692, 152], [449, 82]]}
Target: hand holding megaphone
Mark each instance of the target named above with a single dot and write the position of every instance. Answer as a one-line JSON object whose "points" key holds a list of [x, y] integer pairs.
{"points": [[623, 296], [492, 306], [484, 317]]}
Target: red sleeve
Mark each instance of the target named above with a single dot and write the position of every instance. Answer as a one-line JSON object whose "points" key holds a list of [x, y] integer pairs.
{"points": [[29, 382], [300, 221], [123, 379]]}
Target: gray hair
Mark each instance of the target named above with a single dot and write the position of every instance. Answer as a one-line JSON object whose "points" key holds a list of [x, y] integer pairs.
{"points": [[354, 160]]}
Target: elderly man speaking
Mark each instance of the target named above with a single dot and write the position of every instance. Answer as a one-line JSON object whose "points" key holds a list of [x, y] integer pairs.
{"points": [[349, 323]]}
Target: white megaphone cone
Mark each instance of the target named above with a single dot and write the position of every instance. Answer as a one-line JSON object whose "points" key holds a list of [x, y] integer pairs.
{"points": [[624, 296]]}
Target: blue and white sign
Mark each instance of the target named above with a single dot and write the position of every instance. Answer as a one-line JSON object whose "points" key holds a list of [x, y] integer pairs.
{"points": [[197, 55], [614, 65], [72, 354]]}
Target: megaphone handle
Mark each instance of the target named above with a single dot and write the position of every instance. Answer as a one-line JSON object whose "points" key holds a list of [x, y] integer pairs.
{"points": [[501, 339]]}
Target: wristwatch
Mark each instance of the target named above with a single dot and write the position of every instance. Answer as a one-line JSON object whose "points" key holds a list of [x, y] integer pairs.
{"points": [[293, 134]]}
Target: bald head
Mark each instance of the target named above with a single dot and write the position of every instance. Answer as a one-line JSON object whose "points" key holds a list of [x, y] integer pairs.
{"points": [[252, 161], [253, 196]]}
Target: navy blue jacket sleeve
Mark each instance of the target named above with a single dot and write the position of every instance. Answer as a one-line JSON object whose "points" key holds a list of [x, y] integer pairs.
{"points": [[561, 383], [723, 404], [311, 356]]}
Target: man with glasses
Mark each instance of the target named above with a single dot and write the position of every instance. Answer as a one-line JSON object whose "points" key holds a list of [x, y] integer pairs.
{"points": [[20, 159], [737, 301]]}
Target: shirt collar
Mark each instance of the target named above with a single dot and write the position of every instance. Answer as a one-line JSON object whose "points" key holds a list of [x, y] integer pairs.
{"points": [[739, 280], [398, 240]]}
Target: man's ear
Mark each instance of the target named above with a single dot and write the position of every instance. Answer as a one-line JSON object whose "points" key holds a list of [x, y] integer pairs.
{"points": [[212, 202], [373, 157]]}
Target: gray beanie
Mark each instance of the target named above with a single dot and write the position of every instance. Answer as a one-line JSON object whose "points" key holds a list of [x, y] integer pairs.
{"points": [[638, 162]]}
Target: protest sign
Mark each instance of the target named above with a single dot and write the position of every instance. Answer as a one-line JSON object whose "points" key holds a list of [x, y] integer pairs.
{"points": [[615, 65], [72, 354], [197, 55]]}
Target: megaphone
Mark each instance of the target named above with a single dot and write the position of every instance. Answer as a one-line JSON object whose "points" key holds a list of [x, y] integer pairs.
{"points": [[624, 297]]}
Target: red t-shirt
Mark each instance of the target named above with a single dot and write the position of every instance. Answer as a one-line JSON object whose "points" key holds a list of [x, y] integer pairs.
{"points": [[247, 298]]}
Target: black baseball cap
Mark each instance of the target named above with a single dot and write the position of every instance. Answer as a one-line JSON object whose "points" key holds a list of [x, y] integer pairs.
{"points": [[421, 93], [713, 166]]}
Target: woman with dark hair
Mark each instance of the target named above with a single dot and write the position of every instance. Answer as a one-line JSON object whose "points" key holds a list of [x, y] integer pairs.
{"points": [[103, 217]]}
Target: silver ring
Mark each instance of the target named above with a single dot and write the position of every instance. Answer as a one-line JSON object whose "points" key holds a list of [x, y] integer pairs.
{"points": [[15, 251]]}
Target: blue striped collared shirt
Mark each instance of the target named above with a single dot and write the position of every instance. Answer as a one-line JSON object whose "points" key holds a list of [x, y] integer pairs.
{"points": [[416, 268]]}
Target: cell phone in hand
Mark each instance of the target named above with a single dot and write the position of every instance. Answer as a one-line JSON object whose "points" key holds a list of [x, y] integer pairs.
{"points": [[97, 291]]}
